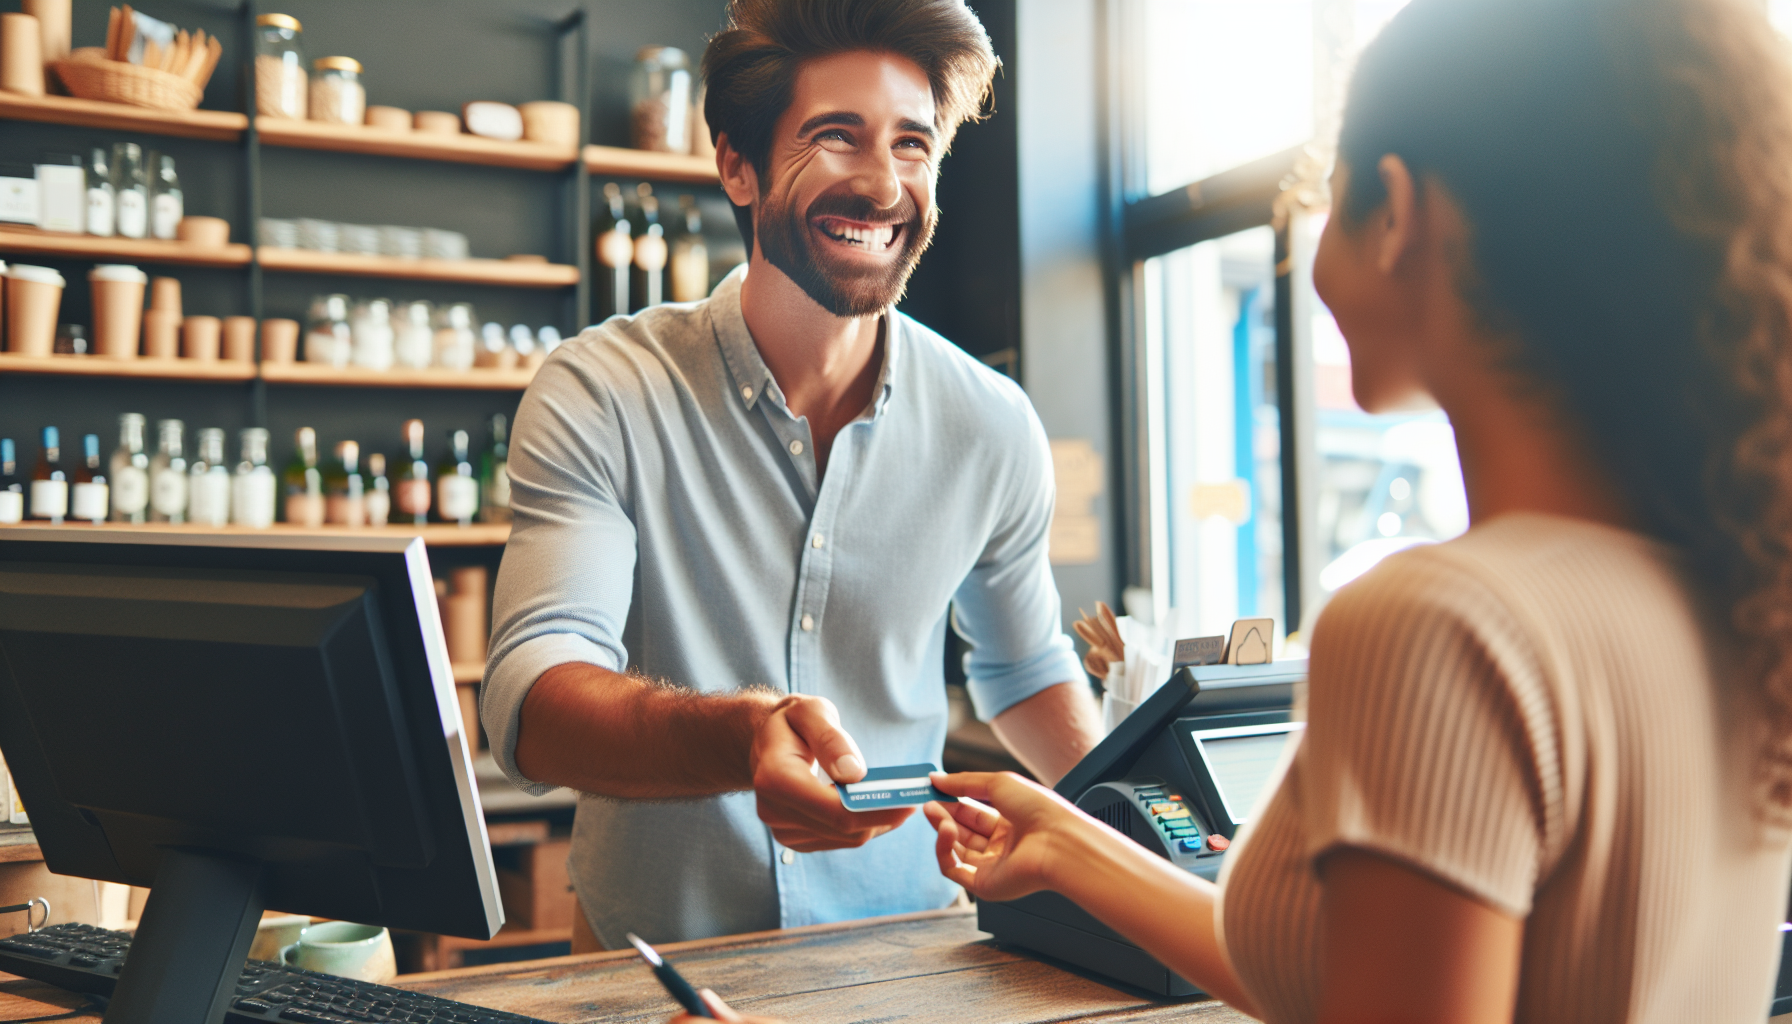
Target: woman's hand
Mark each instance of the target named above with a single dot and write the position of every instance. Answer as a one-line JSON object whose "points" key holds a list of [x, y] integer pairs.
{"points": [[721, 1011], [1000, 839]]}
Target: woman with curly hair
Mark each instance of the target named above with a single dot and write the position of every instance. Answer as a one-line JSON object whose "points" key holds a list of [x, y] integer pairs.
{"points": [[1547, 768]]}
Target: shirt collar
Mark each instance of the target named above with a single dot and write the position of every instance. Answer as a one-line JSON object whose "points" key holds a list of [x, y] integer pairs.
{"points": [[752, 378]]}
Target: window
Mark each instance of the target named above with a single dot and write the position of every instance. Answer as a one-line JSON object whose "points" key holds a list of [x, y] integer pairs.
{"points": [[1259, 486]]}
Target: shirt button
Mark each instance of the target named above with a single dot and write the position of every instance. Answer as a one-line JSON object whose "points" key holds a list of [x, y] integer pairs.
{"points": [[796, 447], [746, 392], [808, 623], [788, 857], [816, 541]]}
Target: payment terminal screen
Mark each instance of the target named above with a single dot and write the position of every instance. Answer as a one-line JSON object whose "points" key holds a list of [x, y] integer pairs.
{"points": [[1241, 761]]}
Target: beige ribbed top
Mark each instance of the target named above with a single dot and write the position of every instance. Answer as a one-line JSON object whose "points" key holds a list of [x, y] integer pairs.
{"points": [[1536, 714]]}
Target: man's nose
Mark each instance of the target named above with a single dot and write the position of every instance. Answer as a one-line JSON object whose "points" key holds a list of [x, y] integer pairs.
{"points": [[876, 179]]}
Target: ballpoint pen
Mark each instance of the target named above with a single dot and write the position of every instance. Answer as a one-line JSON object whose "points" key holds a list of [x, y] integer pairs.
{"points": [[679, 988]]}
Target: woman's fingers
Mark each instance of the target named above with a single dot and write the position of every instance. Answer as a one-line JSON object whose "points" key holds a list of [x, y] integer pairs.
{"points": [[975, 785]]}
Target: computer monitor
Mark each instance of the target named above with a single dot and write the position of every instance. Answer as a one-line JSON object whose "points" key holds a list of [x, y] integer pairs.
{"points": [[239, 722]]}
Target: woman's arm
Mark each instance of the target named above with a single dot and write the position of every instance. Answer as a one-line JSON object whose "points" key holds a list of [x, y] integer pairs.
{"points": [[1033, 839], [1397, 945]]}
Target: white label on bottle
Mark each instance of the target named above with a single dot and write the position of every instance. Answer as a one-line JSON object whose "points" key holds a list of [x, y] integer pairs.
{"points": [[252, 498], [208, 498], [167, 214], [90, 502], [12, 506], [18, 200], [457, 496], [130, 489], [133, 213], [379, 508], [100, 212], [497, 492], [59, 197], [168, 493], [49, 499]]}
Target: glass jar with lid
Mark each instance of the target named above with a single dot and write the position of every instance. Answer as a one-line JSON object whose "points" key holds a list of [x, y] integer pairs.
{"points": [[660, 100], [281, 83], [337, 95]]}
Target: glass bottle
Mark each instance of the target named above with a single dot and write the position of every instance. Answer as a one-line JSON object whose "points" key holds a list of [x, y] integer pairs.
{"points": [[413, 340], [457, 489], [659, 99], [345, 501], [370, 332], [615, 246], [168, 474], [130, 472], [208, 481], [12, 489], [455, 340], [412, 490], [329, 339], [252, 489], [281, 81], [304, 483], [49, 483], [378, 491], [166, 203], [689, 271], [130, 187], [494, 475], [101, 199], [90, 492], [649, 274]]}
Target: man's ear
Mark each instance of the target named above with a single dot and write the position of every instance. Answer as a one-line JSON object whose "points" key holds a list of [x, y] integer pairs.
{"points": [[1399, 225], [739, 180]]}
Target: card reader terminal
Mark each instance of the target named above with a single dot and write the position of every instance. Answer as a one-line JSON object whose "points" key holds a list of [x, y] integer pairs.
{"points": [[1179, 777]]}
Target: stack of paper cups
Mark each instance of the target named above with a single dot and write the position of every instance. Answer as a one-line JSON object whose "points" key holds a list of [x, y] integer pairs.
{"points": [[117, 309]]}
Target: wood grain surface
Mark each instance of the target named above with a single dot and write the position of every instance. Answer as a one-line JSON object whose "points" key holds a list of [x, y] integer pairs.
{"points": [[917, 967]]}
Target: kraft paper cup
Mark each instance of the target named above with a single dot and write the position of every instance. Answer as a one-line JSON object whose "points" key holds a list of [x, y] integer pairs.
{"points": [[164, 294], [392, 119], [551, 121], [210, 232], [161, 334], [436, 122], [239, 339], [33, 298], [117, 309], [199, 338], [279, 340], [21, 55]]}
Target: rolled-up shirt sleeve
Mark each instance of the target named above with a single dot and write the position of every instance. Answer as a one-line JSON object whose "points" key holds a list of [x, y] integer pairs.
{"points": [[567, 577], [1007, 608]]}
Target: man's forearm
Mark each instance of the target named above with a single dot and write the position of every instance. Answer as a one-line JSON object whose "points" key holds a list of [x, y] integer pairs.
{"points": [[1051, 731], [617, 735]]}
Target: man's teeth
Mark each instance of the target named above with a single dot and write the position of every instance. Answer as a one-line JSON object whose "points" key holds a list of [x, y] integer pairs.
{"points": [[877, 237]]}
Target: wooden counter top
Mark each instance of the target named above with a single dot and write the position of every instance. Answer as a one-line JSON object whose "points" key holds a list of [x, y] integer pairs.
{"points": [[918, 967]]}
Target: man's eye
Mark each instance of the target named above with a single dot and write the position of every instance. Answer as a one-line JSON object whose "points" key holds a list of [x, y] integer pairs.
{"points": [[832, 135]]}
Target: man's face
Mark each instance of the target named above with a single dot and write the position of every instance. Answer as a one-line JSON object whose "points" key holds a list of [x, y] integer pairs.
{"points": [[846, 205]]}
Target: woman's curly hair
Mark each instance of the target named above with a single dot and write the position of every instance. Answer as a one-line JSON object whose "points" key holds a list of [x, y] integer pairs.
{"points": [[1626, 169]]}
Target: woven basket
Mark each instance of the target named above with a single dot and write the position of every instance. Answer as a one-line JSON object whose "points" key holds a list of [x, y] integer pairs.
{"points": [[119, 82]]}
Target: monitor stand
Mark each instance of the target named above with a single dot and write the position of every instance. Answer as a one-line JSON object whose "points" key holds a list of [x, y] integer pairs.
{"points": [[189, 949]]}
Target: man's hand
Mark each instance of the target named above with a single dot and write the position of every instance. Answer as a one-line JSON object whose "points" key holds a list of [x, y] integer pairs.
{"points": [[797, 801]]}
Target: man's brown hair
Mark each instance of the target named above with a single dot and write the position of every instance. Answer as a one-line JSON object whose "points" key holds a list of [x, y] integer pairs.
{"points": [[750, 67]]}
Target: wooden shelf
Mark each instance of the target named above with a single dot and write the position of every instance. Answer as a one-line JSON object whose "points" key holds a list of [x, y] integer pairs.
{"points": [[217, 125], [641, 163], [438, 535], [517, 273], [156, 369], [355, 376], [131, 250], [464, 149]]}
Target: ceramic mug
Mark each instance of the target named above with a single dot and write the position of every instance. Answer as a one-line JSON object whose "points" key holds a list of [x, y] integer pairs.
{"points": [[345, 949]]}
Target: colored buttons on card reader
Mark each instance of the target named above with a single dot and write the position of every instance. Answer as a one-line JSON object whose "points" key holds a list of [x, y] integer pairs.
{"points": [[1216, 842], [1164, 808], [1184, 831]]}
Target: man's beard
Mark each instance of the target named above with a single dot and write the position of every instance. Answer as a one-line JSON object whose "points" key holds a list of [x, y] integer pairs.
{"points": [[844, 291]]}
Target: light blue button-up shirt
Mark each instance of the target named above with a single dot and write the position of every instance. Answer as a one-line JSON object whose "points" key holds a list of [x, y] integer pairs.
{"points": [[670, 520]]}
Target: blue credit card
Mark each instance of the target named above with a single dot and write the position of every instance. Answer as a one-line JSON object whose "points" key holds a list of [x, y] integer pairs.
{"points": [[884, 788]]}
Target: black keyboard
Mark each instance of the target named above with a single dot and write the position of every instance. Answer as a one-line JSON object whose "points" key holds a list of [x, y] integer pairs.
{"points": [[83, 958]]}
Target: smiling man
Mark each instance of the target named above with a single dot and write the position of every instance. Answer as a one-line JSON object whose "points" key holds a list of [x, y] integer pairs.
{"points": [[744, 525]]}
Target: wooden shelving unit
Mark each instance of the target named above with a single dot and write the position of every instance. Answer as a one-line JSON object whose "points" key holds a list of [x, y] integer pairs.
{"points": [[514, 273], [29, 241], [464, 149], [216, 125], [640, 163], [436, 535], [146, 369], [354, 376]]}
